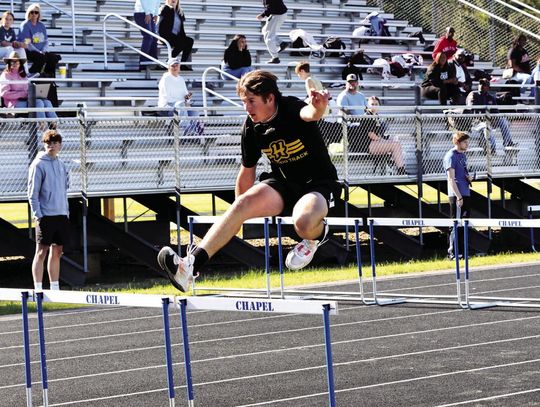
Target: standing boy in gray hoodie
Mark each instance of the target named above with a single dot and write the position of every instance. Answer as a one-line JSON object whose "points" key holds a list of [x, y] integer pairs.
{"points": [[48, 182]]}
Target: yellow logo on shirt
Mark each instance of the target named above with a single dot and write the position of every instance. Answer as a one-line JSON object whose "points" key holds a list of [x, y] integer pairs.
{"points": [[281, 152]]}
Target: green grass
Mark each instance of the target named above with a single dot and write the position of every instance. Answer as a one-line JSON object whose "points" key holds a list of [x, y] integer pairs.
{"points": [[257, 278]]}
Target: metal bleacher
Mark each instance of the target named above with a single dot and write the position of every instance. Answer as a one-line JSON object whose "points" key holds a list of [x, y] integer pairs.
{"points": [[212, 24]]}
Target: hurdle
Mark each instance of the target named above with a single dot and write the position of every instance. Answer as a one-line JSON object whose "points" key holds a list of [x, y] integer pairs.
{"points": [[84, 298], [385, 298], [283, 292], [477, 301], [274, 306]]}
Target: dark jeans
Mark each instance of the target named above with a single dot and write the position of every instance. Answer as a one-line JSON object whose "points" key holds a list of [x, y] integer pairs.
{"points": [[464, 212], [181, 44], [43, 62], [442, 94], [149, 43]]}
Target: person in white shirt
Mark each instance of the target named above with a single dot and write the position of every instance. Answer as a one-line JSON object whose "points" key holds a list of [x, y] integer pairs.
{"points": [[174, 95], [173, 92]]}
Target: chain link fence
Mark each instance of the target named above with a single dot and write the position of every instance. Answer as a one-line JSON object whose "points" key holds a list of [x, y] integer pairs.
{"points": [[144, 154], [486, 36]]}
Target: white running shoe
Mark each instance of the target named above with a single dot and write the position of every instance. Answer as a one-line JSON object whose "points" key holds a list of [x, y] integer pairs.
{"points": [[179, 269], [303, 252]]}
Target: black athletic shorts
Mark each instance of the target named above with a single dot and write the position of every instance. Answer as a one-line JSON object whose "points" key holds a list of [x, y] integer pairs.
{"points": [[291, 192], [52, 230]]}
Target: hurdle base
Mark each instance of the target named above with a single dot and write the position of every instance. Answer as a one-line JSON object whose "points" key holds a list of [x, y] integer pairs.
{"points": [[390, 301], [481, 305]]}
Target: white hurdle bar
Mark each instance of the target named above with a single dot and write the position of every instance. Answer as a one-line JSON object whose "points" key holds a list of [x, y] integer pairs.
{"points": [[324, 308], [477, 301], [269, 292], [384, 298]]}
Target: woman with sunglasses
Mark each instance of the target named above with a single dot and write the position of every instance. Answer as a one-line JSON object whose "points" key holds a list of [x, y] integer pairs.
{"points": [[33, 35]]}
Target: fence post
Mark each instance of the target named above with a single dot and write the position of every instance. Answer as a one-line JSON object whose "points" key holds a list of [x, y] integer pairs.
{"points": [[83, 129], [417, 95], [176, 142], [419, 166]]}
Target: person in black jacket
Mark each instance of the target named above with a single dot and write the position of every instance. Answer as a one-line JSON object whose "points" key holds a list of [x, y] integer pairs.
{"points": [[440, 82], [171, 27], [461, 60], [274, 13], [237, 59]]}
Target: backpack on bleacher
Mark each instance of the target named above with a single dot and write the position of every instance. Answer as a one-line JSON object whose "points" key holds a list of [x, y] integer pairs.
{"points": [[359, 58], [334, 43], [302, 39], [298, 43]]}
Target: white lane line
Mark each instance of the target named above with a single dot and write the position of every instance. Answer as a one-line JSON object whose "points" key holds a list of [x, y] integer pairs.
{"points": [[258, 376], [235, 322], [140, 349], [414, 379], [303, 348], [497, 397]]}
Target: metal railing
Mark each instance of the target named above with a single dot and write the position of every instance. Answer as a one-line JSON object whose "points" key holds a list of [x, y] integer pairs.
{"points": [[206, 89], [123, 154], [125, 44]]}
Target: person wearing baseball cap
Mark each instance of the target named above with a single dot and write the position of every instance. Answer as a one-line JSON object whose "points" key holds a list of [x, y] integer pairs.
{"points": [[350, 100], [173, 92]]}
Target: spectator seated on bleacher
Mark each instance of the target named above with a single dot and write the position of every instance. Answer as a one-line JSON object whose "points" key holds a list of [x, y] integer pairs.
{"points": [[377, 139], [440, 82], [16, 94], [446, 44], [174, 95], [171, 27], [462, 59], [33, 34], [519, 62], [237, 58], [352, 102], [482, 97], [8, 38]]}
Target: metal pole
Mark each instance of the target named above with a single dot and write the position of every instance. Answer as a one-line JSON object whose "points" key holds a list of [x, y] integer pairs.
{"points": [[329, 358], [280, 258], [267, 257], [43, 359], [73, 26], [187, 357], [168, 353], [26, 343]]}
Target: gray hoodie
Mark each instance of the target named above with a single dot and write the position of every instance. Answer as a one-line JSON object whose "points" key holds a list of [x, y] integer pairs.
{"points": [[48, 182]]}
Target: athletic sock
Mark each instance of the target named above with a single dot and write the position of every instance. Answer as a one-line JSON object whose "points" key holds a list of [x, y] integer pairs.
{"points": [[38, 286], [201, 257], [55, 285]]}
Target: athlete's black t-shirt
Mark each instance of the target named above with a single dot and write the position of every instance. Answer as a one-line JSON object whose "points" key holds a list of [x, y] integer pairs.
{"points": [[294, 147]]}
